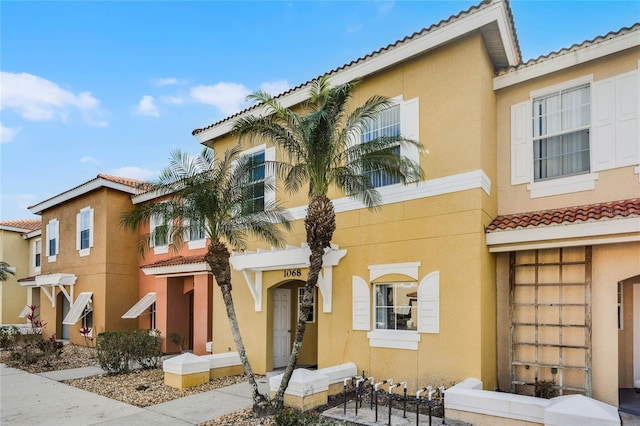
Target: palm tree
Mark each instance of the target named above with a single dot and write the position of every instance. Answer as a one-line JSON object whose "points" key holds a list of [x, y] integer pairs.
{"points": [[324, 150], [5, 270], [218, 197]]}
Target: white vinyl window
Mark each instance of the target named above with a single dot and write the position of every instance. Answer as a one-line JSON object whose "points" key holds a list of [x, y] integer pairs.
{"points": [[84, 231], [37, 254], [561, 127], [312, 313], [160, 233], [387, 124], [395, 306], [260, 197], [53, 239]]}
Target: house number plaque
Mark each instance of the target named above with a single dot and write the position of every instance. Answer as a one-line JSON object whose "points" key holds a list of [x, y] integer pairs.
{"points": [[292, 273]]}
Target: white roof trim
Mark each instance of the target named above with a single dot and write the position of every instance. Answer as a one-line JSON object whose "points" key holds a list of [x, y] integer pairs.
{"points": [[76, 309], [81, 190], [565, 231], [15, 229], [142, 304], [587, 53], [32, 234], [290, 257], [433, 39]]}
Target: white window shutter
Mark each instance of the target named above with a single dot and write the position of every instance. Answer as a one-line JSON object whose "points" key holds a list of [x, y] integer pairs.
{"points": [[521, 148], [627, 140], [57, 236], [429, 304], [91, 229], [78, 229], [270, 177], [361, 304], [410, 126], [603, 125]]}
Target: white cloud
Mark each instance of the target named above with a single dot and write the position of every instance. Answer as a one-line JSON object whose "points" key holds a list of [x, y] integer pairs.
{"points": [[165, 81], [175, 100], [133, 173], [147, 106], [384, 7], [39, 99], [275, 87], [229, 98], [354, 28], [91, 160], [7, 133]]}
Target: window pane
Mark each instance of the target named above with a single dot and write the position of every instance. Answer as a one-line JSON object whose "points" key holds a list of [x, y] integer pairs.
{"points": [[388, 125], [257, 182], [564, 155], [84, 239], [396, 306]]}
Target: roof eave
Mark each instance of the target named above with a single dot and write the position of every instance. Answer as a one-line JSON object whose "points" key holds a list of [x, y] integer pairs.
{"points": [[79, 191]]}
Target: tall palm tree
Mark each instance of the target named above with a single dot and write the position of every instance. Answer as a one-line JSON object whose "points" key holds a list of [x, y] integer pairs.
{"points": [[322, 142], [5, 270], [216, 195]]}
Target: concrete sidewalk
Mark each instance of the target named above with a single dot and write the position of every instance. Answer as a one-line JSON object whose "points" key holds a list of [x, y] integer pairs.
{"points": [[35, 399]]}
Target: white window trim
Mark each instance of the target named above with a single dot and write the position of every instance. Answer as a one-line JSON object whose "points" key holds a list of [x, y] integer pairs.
{"points": [[428, 307], [85, 251], [154, 222], [37, 269], [565, 185], [55, 224]]}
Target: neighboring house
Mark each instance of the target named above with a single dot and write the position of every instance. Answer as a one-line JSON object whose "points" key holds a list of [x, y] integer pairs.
{"points": [[176, 288], [567, 238], [419, 290], [89, 264], [17, 242]]}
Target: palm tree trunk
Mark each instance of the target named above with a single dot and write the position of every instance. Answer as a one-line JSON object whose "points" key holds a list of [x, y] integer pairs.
{"points": [[320, 225], [218, 259]]}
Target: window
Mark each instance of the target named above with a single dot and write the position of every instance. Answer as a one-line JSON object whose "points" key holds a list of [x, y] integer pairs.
{"points": [[160, 232], [257, 181], [395, 306], [152, 316], [312, 313], [53, 243], [87, 316], [620, 310], [84, 231], [561, 124], [386, 124], [37, 253]]}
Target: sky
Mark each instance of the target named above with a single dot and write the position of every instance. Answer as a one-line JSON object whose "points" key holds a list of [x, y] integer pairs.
{"points": [[89, 87]]}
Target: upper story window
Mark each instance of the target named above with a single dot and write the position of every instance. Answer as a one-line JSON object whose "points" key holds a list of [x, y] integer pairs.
{"points": [[195, 233], [84, 231], [37, 253], [257, 180], [53, 239], [386, 124], [395, 306], [561, 125], [160, 232]]}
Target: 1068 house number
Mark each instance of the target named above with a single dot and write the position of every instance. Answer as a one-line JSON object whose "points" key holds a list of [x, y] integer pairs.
{"points": [[292, 273]]}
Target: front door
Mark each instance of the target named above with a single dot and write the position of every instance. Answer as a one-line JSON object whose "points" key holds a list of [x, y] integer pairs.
{"points": [[65, 327], [636, 334], [281, 326]]}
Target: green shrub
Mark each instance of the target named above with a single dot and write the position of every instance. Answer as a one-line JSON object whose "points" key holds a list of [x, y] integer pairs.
{"points": [[8, 336], [117, 349]]}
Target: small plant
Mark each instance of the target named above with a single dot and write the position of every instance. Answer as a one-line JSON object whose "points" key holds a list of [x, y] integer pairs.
{"points": [[546, 389], [51, 349], [117, 349], [8, 336], [86, 332], [177, 340]]}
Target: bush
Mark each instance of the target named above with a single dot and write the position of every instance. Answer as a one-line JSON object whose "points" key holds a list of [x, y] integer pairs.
{"points": [[117, 349], [8, 336], [291, 417], [546, 389]]}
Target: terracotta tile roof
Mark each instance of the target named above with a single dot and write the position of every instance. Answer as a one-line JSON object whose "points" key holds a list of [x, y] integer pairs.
{"points": [[30, 224], [573, 48], [389, 47], [134, 183], [589, 212], [174, 261]]}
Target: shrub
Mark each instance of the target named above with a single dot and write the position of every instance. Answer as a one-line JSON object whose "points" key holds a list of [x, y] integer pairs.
{"points": [[546, 389], [117, 349], [8, 336], [291, 417]]}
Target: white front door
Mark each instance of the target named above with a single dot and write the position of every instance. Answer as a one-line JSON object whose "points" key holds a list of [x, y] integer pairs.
{"points": [[636, 335], [281, 326], [65, 327]]}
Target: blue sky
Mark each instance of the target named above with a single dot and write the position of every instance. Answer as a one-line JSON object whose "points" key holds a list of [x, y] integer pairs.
{"points": [[113, 87]]}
